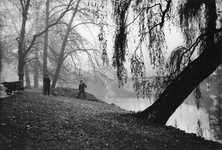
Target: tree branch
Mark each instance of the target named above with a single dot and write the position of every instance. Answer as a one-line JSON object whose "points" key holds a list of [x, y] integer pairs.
{"points": [[165, 12], [145, 8], [51, 25]]}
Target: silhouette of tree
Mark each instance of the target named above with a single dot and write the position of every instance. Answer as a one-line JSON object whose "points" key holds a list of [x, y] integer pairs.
{"points": [[200, 22]]}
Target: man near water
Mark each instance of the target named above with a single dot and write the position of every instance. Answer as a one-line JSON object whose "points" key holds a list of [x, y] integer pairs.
{"points": [[82, 87]]}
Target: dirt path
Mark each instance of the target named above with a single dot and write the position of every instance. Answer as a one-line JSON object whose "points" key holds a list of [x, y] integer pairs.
{"points": [[34, 90]]}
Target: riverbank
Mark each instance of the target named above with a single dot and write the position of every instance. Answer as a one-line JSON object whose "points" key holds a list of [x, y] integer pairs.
{"points": [[31, 120]]}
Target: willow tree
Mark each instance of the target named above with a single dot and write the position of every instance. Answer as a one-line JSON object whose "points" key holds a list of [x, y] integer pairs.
{"points": [[190, 64]]}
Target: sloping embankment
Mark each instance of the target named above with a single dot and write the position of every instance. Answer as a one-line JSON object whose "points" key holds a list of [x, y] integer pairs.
{"points": [[34, 121]]}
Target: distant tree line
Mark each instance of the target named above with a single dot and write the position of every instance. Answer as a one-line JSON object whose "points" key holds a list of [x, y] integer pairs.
{"points": [[45, 37]]}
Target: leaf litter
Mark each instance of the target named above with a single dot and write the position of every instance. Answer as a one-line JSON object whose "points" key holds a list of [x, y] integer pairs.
{"points": [[31, 120]]}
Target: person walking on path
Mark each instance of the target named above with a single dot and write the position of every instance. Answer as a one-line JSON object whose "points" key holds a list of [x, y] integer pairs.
{"points": [[47, 84], [82, 87]]}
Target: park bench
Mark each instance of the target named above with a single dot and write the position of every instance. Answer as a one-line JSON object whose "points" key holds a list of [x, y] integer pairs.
{"points": [[13, 86]]}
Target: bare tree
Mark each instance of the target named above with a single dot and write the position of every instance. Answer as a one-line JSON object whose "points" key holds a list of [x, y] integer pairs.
{"points": [[74, 43], [61, 59], [22, 49]]}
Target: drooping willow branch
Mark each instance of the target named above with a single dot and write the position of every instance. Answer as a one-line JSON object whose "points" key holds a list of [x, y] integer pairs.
{"points": [[120, 14], [150, 24]]}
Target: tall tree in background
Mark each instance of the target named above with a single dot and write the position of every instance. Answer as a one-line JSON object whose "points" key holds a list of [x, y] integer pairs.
{"points": [[27, 76], [21, 40], [200, 22], [74, 43], [45, 52], [85, 15], [22, 49], [37, 7], [64, 42], [11, 30]]}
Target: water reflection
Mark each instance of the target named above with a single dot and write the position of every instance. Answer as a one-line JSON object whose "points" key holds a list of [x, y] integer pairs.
{"points": [[184, 118]]}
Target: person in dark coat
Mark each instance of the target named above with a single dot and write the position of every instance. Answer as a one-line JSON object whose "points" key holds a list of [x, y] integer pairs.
{"points": [[47, 84], [82, 87]]}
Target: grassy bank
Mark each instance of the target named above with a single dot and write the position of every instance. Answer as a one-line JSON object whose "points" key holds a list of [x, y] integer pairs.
{"points": [[33, 121]]}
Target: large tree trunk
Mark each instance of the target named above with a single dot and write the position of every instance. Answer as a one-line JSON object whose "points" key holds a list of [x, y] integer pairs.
{"points": [[21, 63], [36, 70], [22, 52], [183, 85], [21, 40], [37, 30], [27, 77], [45, 56]]}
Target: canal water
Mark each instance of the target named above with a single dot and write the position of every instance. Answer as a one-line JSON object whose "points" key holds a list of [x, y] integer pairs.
{"points": [[185, 117]]}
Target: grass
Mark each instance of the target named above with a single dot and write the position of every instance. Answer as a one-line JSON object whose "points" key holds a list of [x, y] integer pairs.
{"points": [[31, 120]]}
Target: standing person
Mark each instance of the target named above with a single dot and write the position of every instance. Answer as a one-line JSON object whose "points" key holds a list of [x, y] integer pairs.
{"points": [[47, 84], [82, 87]]}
